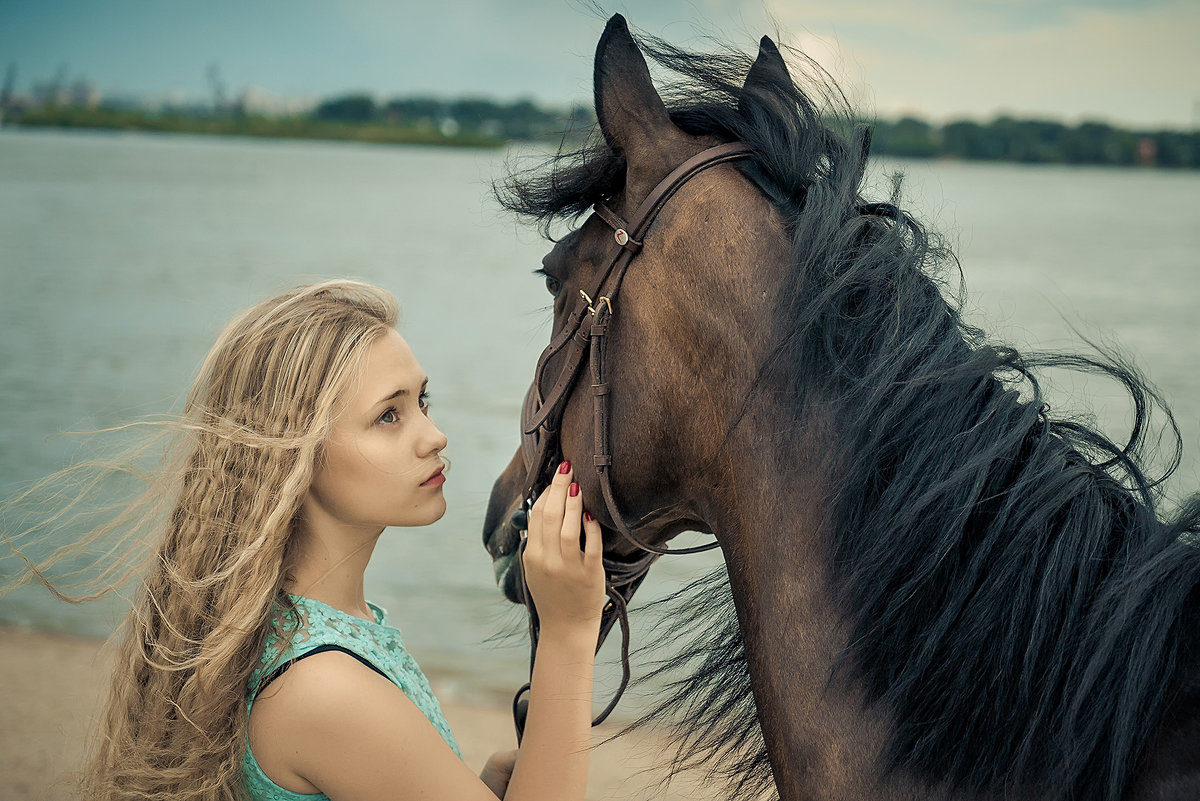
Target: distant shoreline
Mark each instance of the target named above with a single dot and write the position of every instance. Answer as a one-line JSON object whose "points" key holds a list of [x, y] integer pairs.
{"points": [[1003, 140], [265, 127]]}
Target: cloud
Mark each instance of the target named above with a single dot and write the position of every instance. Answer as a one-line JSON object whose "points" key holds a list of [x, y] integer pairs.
{"points": [[1130, 62], [1063, 59]]}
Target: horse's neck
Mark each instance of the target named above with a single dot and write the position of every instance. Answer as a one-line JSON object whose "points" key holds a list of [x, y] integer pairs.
{"points": [[822, 741], [1170, 767]]}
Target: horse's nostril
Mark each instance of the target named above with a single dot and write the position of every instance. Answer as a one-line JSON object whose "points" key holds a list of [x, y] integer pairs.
{"points": [[519, 520]]}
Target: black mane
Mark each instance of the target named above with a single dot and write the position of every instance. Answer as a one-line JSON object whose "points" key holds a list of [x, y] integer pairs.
{"points": [[1016, 587]]}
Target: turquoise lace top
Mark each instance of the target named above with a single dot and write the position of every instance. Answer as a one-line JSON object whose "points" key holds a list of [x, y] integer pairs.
{"points": [[377, 643]]}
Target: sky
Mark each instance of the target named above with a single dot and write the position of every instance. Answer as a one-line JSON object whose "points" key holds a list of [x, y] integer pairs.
{"points": [[1126, 62]]}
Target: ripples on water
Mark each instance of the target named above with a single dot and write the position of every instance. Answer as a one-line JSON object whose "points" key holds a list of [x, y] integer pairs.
{"points": [[122, 256]]}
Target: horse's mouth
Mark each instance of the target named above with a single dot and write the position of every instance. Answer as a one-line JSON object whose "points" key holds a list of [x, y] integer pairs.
{"points": [[503, 567], [502, 540]]}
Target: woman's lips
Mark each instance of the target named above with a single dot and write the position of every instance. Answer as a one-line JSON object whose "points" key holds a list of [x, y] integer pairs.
{"points": [[437, 479]]}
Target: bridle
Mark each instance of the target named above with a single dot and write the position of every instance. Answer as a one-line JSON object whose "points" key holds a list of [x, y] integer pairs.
{"points": [[584, 337]]}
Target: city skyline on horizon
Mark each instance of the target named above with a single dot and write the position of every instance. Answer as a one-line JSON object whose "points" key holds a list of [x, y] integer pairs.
{"points": [[878, 52]]}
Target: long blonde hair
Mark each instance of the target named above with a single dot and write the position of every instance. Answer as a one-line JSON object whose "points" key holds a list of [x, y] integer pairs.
{"points": [[175, 720]]}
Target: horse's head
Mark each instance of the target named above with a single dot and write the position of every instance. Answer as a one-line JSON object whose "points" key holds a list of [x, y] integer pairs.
{"points": [[688, 330]]}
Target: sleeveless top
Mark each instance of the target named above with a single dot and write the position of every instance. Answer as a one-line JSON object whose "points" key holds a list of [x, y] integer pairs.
{"points": [[377, 645]]}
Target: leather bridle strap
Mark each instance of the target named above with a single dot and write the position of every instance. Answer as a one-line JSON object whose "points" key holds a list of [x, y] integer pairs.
{"points": [[605, 286], [602, 312], [585, 335]]}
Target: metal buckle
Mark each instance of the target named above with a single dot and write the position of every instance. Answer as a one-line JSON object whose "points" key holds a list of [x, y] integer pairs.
{"points": [[600, 301]]}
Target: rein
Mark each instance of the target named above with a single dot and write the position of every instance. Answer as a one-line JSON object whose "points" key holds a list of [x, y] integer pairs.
{"points": [[584, 337]]}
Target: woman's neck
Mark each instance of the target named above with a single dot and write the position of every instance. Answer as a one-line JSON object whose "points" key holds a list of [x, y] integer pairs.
{"points": [[330, 560]]}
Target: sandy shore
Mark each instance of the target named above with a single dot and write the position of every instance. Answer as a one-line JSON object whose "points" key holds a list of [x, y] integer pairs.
{"points": [[51, 687]]}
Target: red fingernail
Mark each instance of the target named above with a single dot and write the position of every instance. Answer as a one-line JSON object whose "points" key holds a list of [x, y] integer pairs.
{"points": [[573, 490], [564, 468], [588, 516]]}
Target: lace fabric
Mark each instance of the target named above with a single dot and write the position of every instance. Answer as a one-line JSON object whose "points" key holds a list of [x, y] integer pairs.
{"points": [[316, 624]]}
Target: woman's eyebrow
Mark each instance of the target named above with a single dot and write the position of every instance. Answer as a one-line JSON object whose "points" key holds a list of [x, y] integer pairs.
{"points": [[402, 391]]}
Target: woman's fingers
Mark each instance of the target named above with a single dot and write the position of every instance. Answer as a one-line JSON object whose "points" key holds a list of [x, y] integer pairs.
{"points": [[552, 514], [593, 544], [569, 531], [565, 581], [545, 518]]}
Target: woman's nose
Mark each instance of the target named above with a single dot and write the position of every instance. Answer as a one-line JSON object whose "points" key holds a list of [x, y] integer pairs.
{"points": [[434, 439]]}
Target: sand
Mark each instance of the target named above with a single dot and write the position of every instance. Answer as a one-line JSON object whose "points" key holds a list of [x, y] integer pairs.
{"points": [[51, 687]]}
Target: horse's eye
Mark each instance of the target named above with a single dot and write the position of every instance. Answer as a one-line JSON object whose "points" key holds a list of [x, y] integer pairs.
{"points": [[553, 285]]}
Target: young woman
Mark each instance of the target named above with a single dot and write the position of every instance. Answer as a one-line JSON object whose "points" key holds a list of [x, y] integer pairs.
{"points": [[251, 665]]}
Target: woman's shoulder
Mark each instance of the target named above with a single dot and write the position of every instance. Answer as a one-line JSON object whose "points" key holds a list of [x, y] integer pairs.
{"points": [[321, 685], [315, 700], [329, 722], [313, 630]]}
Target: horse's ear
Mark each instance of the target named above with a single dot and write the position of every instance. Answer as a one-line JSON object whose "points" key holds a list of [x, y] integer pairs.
{"points": [[767, 71], [631, 114]]}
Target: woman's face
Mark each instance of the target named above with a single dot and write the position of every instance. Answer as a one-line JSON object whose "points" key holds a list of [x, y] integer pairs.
{"points": [[382, 463]]}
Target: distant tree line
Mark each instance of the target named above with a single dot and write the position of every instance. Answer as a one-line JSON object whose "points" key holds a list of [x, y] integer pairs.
{"points": [[481, 122], [1003, 139], [465, 122], [272, 127], [520, 120], [1036, 141]]}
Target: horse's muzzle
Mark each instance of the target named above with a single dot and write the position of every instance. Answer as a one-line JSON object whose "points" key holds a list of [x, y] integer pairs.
{"points": [[502, 533], [502, 543]]}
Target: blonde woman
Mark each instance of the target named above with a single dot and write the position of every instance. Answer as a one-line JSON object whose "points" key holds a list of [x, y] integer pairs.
{"points": [[251, 665]]}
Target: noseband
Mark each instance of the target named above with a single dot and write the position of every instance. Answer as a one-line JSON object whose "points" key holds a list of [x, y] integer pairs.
{"points": [[584, 337]]}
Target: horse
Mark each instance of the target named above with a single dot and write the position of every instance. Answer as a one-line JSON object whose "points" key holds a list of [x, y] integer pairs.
{"points": [[934, 586]]}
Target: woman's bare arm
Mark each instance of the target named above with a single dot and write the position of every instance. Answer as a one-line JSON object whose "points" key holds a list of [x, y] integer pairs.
{"points": [[331, 724], [568, 587]]}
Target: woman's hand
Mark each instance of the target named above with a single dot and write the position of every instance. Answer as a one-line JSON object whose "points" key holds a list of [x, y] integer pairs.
{"points": [[498, 770], [567, 584]]}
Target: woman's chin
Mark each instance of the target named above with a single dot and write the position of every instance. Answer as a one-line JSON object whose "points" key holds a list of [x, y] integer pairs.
{"points": [[436, 510], [429, 512]]}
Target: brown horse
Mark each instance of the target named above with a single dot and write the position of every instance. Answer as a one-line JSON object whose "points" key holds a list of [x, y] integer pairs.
{"points": [[941, 590]]}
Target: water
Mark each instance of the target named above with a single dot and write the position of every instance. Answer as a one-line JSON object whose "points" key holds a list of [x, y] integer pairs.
{"points": [[122, 256]]}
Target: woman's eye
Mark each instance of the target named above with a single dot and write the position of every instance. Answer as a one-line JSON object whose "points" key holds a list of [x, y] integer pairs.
{"points": [[389, 417], [423, 401]]}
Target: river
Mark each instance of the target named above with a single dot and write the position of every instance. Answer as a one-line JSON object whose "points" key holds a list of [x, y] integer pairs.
{"points": [[122, 256]]}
